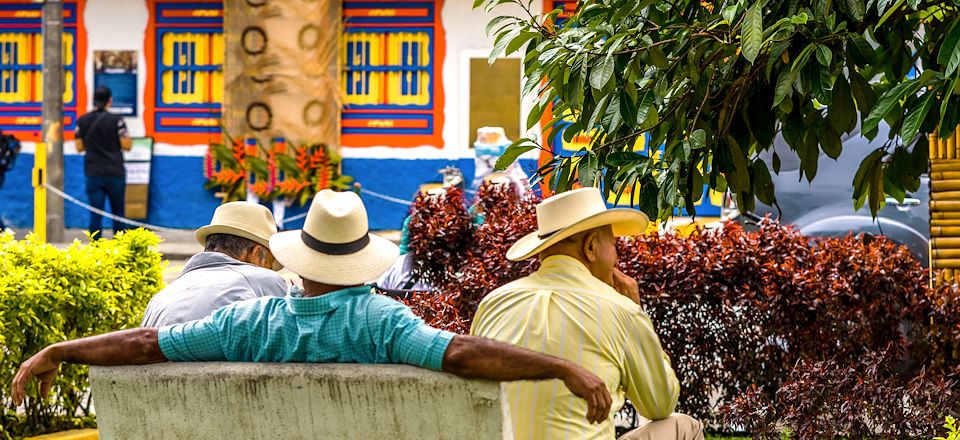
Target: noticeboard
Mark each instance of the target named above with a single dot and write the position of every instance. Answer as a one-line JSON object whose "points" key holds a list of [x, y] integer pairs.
{"points": [[137, 161]]}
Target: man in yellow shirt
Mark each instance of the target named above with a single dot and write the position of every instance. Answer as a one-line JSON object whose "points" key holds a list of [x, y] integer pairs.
{"points": [[569, 309]]}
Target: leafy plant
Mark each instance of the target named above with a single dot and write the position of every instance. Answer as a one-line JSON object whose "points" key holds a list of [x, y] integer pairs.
{"points": [[767, 329], [49, 295], [235, 168], [953, 430], [715, 81]]}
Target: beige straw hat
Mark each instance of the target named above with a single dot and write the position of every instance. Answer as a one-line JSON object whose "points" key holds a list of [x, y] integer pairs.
{"points": [[335, 245], [574, 211], [243, 219]]}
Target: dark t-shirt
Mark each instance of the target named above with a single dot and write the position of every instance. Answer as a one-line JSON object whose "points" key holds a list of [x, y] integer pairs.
{"points": [[101, 140]]}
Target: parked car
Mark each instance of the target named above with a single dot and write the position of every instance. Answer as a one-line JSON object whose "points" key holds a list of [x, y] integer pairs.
{"points": [[825, 206]]}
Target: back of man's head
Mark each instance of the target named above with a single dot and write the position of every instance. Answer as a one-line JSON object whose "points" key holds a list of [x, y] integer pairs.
{"points": [[233, 246], [101, 97]]}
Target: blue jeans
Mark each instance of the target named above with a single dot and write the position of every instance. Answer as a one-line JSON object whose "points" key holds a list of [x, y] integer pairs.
{"points": [[98, 190]]}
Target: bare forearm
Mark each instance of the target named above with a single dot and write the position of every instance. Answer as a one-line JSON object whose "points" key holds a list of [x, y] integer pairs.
{"points": [[128, 347], [480, 358]]}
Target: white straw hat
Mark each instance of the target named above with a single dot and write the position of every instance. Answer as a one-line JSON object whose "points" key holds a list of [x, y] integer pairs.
{"points": [[571, 212], [335, 245], [244, 219]]}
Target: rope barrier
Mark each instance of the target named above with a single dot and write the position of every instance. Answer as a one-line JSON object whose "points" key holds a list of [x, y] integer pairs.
{"points": [[115, 218], [106, 214], [385, 197]]}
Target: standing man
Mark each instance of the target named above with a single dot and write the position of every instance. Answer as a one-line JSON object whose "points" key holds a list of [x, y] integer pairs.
{"points": [[568, 309], [102, 135]]}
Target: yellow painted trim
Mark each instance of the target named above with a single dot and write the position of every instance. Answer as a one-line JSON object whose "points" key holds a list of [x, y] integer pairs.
{"points": [[73, 434]]}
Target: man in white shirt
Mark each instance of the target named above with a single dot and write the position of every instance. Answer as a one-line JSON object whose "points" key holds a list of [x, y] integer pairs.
{"points": [[235, 265]]}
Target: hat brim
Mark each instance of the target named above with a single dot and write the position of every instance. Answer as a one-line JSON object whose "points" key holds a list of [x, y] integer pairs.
{"points": [[625, 222], [206, 231], [360, 267]]}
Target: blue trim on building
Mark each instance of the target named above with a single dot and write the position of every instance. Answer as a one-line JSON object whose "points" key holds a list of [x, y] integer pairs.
{"points": [[178, 200]]}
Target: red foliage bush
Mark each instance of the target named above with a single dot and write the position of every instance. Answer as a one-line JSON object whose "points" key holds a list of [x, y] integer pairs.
{"points": [[764, 327]]}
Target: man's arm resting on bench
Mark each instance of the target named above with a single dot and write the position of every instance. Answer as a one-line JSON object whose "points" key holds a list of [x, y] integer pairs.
{"points": [[480, 358], [128, 347]]}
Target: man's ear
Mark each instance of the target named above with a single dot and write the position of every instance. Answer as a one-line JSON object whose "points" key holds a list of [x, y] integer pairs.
{"points": [[590, 245]]}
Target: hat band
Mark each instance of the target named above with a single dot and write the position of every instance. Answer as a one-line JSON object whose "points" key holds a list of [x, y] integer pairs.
{"points": [[545, 235], [335, 248]]}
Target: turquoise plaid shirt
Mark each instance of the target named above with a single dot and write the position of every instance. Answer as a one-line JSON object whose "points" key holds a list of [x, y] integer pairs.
{"points": [[347, 326]]}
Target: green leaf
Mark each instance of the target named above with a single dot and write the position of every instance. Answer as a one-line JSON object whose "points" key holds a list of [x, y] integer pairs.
{"points": [[820, 81], [888, 102], [752, 34], [602, 73], [784, 88], [658, 58], [824, 55], [696, 181], [776, 162], [698, 139], [588, 169], [862, 91], [830, 141], [512, 152], [842, 110], [915, 116], [519, 41], [861, 179], [493, 23], [888, 14], [643, 109], [949, 54], [739, 179], [856, 9], [762, 182], [501, 43]]}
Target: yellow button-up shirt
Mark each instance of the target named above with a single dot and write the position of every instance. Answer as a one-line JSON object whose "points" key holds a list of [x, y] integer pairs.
{"points": [[564, 311]]}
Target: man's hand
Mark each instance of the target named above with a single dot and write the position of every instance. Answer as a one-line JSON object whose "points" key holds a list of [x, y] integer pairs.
{"points": [[626, 286], [591, 388], [43, 366]]}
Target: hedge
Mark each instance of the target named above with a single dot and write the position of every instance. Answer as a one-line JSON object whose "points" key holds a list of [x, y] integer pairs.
{"points": [[48, 295], [768, 330]]}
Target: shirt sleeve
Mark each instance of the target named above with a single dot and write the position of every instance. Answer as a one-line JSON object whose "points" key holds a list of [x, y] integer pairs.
{"points": [[649, 380], [80, 131], [194, 341], [121, 128], [403, 338]]}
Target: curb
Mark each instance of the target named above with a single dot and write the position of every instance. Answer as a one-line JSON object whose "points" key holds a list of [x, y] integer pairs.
{"points": [[73, 434]]}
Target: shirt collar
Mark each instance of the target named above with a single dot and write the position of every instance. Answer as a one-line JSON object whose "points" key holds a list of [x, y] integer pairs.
{"points": [[565, 263], [299, 305], [207, 259]]}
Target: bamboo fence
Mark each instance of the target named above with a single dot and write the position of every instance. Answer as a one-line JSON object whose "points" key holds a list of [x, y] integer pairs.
{"points": [[945, 208]]}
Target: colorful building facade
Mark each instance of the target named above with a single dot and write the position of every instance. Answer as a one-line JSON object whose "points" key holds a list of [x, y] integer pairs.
{"points": [[408, 102]]}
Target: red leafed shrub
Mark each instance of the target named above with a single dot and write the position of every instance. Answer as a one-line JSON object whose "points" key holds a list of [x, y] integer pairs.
{"points": [[440, 229], [438, 310], [763, 327]]}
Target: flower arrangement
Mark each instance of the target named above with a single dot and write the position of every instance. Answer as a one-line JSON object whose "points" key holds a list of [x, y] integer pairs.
{"points": [[295, 173]]}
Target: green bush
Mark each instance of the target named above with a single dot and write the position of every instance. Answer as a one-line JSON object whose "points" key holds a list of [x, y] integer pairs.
{"points": [[49, 295]]}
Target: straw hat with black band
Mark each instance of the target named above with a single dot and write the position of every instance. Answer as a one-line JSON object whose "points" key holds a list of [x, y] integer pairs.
{"points": [[571, 212], [335, 245], [243, 219]]}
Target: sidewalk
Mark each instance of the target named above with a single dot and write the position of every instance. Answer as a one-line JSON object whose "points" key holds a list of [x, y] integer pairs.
{"points": [[176, 245]]}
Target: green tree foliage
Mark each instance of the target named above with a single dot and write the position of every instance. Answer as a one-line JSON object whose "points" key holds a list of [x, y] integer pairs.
{"points": [[714, 81], [49, 295]]}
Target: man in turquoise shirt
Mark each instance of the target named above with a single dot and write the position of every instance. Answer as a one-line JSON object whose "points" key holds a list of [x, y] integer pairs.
{"points": [[333, 318]]}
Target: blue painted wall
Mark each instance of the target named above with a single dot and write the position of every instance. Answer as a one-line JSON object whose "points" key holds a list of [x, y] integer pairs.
{"points": [[177, 198]]}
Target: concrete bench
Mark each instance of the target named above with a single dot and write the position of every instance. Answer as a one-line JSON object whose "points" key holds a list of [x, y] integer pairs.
{"points": [[294, 401]]}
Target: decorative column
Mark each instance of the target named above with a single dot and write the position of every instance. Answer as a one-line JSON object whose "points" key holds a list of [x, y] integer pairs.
{"points": [[945, 208]]}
